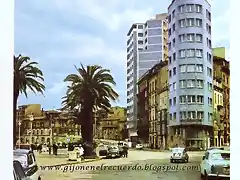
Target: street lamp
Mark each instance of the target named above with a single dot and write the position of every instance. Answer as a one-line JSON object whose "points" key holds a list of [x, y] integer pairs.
{"points": [[31, 118], [19, 134]]}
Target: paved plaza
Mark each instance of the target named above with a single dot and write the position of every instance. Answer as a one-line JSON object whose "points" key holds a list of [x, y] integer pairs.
{"points": [[139, 165]]}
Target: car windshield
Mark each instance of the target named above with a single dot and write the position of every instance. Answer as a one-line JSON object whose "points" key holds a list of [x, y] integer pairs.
{"points": [[176, 150], [221, 156]]}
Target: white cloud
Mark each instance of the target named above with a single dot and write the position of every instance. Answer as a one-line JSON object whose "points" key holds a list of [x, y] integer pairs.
{"points": [[107, 11]]}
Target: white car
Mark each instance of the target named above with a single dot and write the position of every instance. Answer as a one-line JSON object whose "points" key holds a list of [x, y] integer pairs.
{"points": [[28, 162], [215, 164], [139, 146]]}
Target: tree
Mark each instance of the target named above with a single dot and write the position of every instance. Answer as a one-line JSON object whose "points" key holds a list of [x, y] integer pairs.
{"points": [[89, 90], [26, 76]]}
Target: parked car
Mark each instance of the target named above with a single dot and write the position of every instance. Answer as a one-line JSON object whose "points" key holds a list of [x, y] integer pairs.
{"points": [[113, 152], [215, 163], [139, 146], [18, 172], [103, 150], [28, 162], [179, 154], [213, 147]]}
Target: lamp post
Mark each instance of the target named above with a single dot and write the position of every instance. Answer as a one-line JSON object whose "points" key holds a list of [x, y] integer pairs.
{"points": [[19, 134], [31, 118]]}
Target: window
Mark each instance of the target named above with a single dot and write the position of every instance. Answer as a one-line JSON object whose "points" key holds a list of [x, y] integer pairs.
{"points": [[198, 8], [170, 116], [173, 27], [190, 22], [208, 15], [29, 159], [183, 99], [181, 8], [200, 114], [182, 53], [182, 38], [209, 86], [190, 8], [173, 14], [191, 83], [210, 101], [199, 53], [170, 102], [174, 42], [199, 83], [182, 84], [174, 116], [170, 59], [209, 57], [140, 26], [191, 68], [190, 37], [209, 43], [169, 46], [174, 86], [140, 34], [169, 18], [199, 68], [174, 71], [140, 42], [182, 23], [209, 72], [183, 115], [199, 22], [169, 32], [174, 101], [182, 68], [170, 73], [200, 99], [199, 38], [190, 52], [210, 117], [174, 56], [191, 114]]}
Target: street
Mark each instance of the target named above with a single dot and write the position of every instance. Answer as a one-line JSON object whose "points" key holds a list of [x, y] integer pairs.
{"points": [[139, 165]]}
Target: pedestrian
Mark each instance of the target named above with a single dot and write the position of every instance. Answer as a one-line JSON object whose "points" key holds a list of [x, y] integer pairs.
{"points": [[125, 151], [81, 152]]}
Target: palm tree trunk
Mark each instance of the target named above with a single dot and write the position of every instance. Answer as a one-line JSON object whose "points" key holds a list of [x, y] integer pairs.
{"points": [[15, 97]]}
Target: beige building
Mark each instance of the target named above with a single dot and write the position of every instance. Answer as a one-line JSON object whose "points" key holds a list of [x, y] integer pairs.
{"points": [[112, 125], [39, 126]]}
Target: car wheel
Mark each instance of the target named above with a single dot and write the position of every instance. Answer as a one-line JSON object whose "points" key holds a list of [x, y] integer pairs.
{"points": [[39, 178], [171, 161]]}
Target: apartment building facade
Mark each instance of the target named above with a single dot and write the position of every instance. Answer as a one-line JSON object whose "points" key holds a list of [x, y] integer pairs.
{"points": [[190, 72], [112, 125], [221, 103], [146, 46], [153, 104], [46, 126]]}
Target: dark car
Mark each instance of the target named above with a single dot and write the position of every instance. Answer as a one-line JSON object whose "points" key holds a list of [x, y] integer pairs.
{"points": [[103, 150], [113, 152], [18, 172]]}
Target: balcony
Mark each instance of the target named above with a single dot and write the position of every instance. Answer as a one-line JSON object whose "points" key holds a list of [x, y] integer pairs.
{"points": [[191, 121]]}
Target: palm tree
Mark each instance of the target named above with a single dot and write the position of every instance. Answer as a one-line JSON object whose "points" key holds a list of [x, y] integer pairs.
{"points": [[26, 76], [89, 90]]}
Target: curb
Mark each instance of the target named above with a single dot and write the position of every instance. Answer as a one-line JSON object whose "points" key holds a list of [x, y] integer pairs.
{"points": [[74, 162]]}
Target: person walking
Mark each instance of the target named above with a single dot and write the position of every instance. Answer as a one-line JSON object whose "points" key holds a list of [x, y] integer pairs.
{"points": [[81, 152]]}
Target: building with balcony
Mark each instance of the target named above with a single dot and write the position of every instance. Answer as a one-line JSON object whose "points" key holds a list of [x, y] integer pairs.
{"points": [[221, 102], [142, 106], [146, 46], [190, 72], [153, 104], [46, 126], [112, 125]]}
